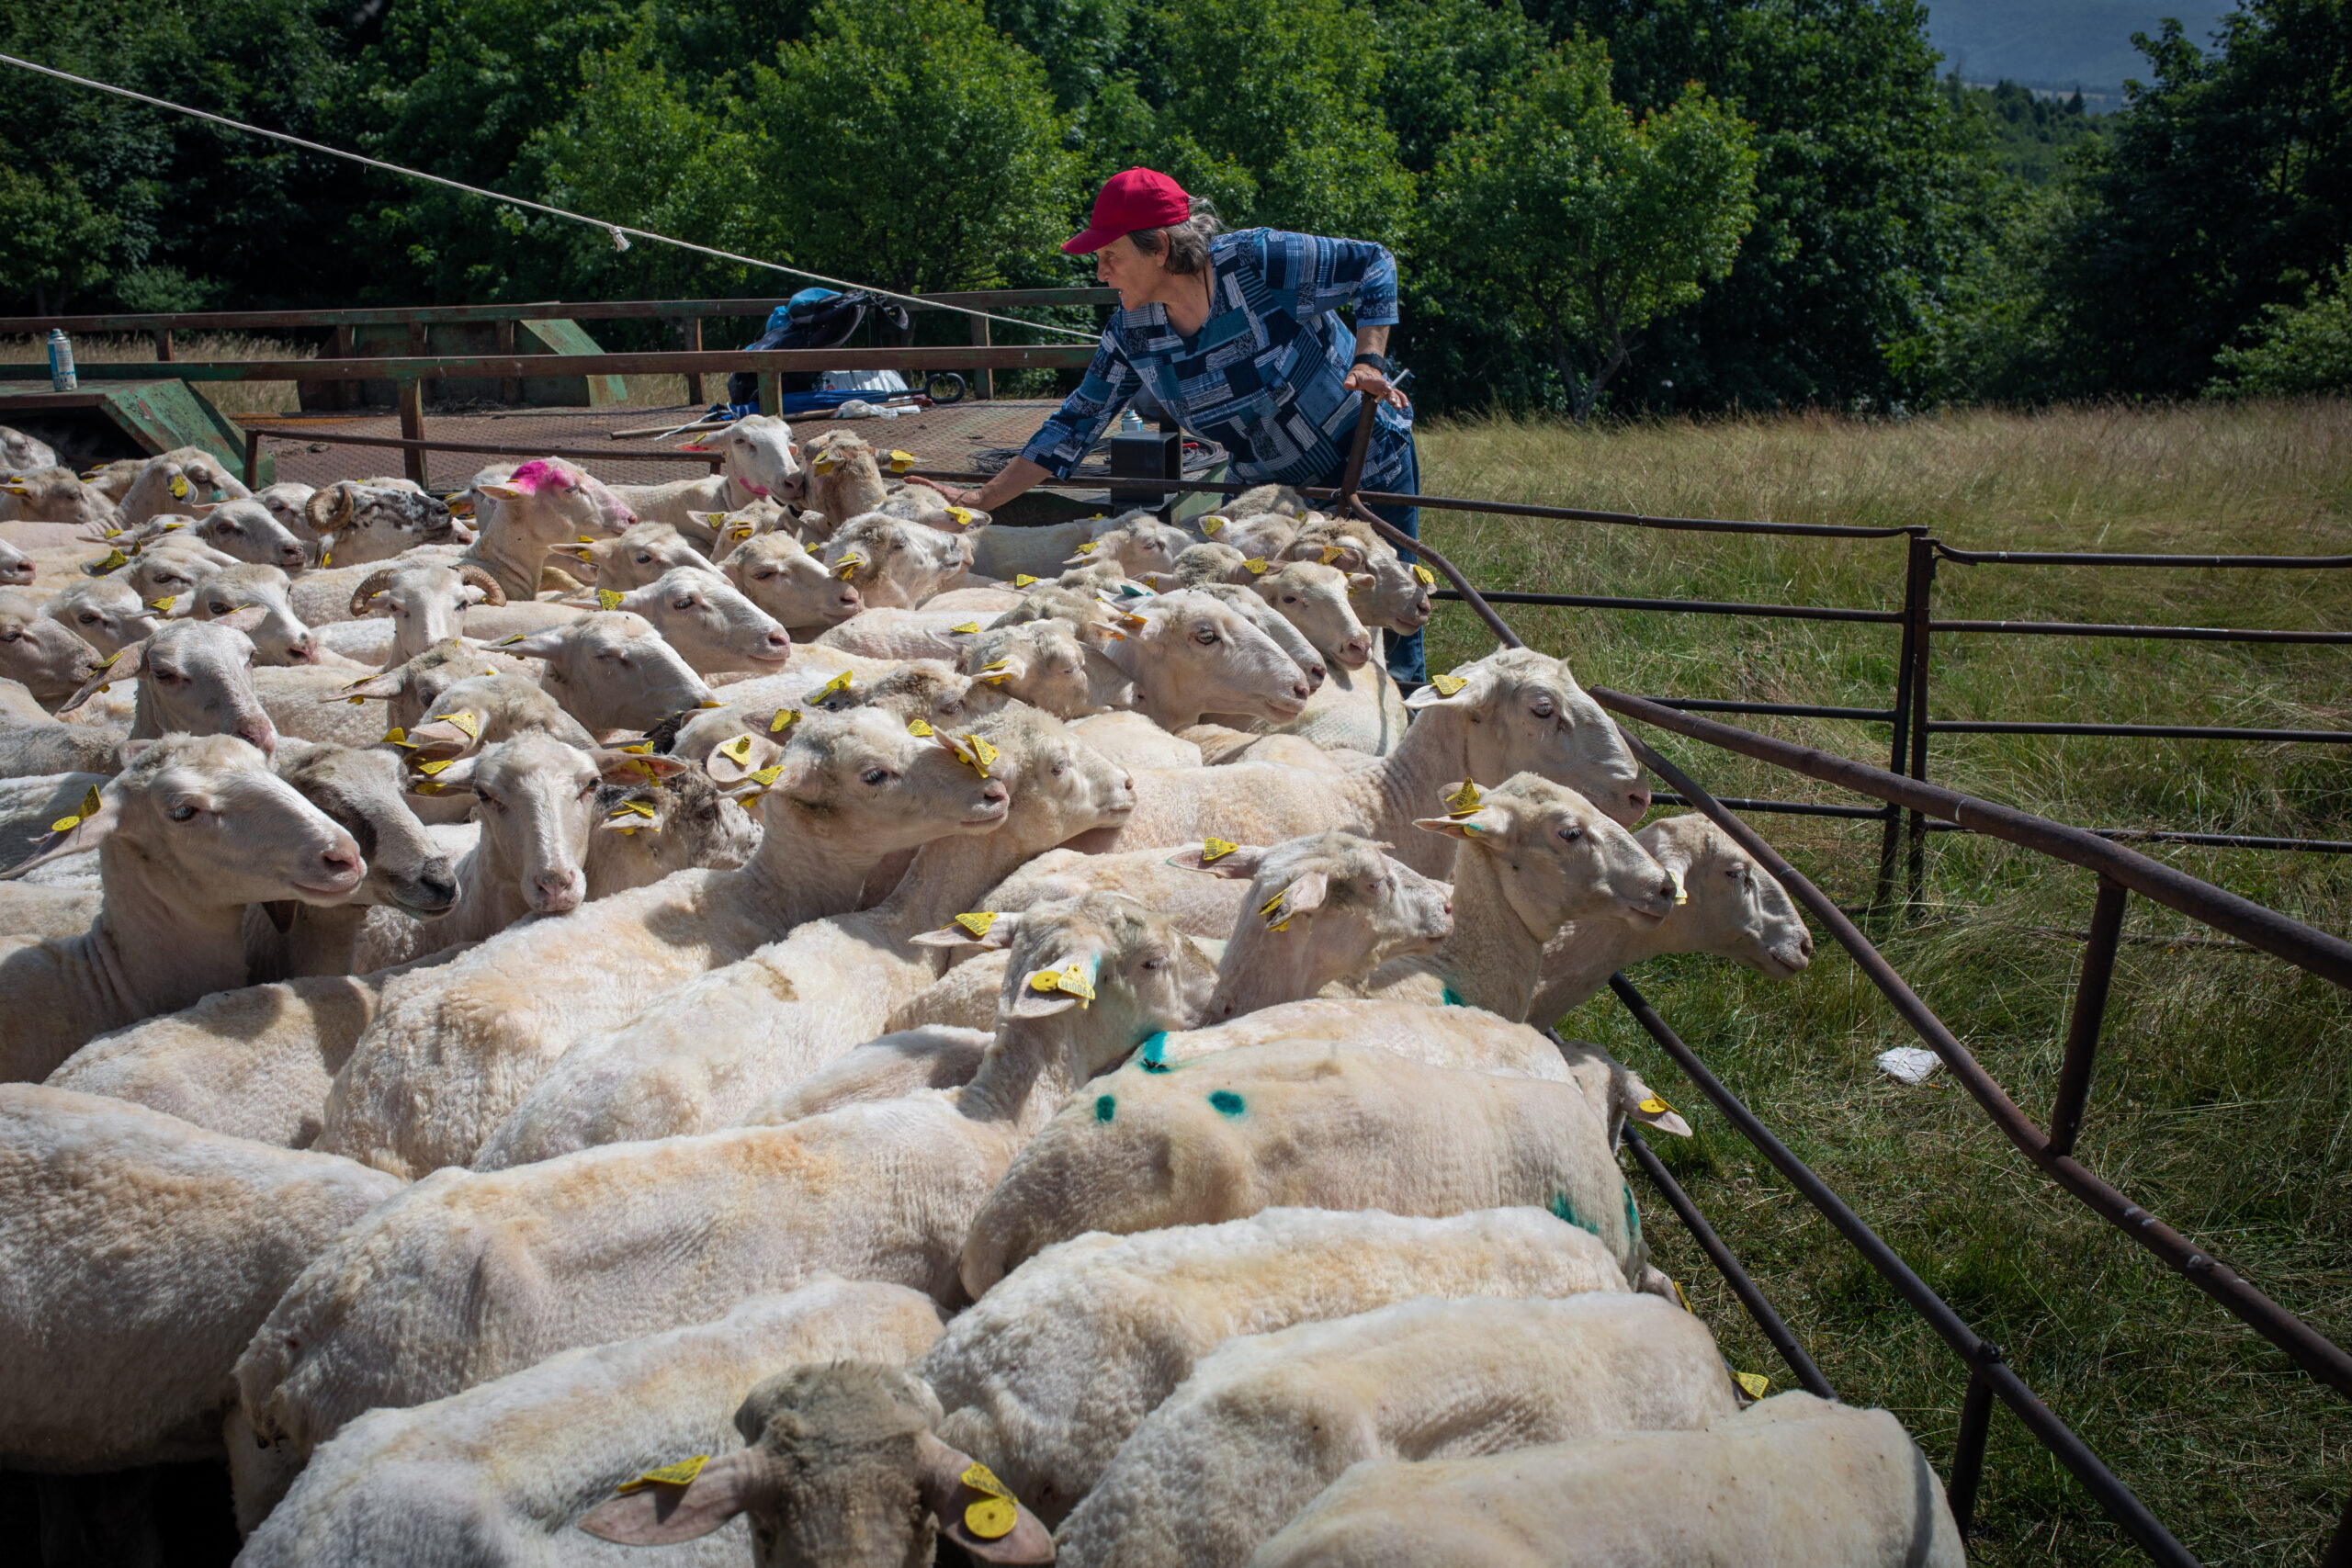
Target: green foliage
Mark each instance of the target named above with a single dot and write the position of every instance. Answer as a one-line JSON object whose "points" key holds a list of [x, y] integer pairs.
{"points": [[2296, 349], [909, 143], [2226, 186], [1868, 193], [1444, 64], [1582, 225], [2031, 137], [1281, 129], [58, 243]]}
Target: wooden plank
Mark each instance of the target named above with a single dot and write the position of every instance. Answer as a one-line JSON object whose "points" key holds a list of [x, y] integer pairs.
{"points": [[984, 379], [1022, 357], [576, 311], [158, 414], [568, 339], [411, 393]]}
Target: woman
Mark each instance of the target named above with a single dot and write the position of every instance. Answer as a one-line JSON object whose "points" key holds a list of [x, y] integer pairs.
{"points": [[1236, 335]]}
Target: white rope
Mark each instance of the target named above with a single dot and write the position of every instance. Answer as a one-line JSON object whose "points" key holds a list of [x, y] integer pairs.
{"points": [[617, 230]]}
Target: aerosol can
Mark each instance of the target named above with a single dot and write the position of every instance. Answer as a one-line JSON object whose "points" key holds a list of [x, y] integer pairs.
{"points": [[60, 361]]}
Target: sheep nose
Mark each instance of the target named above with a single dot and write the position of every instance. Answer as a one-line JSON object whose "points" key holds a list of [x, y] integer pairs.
{"points": [[440, 890], [779, 643], [1301, 690], [1638, 797], [1446, 908], [1805, 944], [554, 890], [290, 557], [305, 649], [342, 861], [994, 792], [259, 733]]}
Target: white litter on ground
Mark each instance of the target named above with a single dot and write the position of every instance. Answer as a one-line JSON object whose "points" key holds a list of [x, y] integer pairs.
{"points": [[1911, 1064]]}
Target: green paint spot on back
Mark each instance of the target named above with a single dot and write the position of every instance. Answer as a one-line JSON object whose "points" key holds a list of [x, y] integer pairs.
{"points": [[1568, 1210], [1152, 1060], [1105, 1106], [1452, 998], [1227, 1104]]}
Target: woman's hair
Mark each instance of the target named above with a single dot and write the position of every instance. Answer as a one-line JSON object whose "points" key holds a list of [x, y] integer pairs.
{"points": [[1187, 243]]}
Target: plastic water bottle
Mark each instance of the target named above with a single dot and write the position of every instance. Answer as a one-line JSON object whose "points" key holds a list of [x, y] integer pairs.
{"points": [[60, 362]]}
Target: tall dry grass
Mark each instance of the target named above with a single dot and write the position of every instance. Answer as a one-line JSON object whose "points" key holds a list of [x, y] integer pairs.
{"points": [[231, 398], [2225, 1097]]}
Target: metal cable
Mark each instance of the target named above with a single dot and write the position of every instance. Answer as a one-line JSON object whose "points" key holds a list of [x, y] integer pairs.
{"points": [[615, 229]]}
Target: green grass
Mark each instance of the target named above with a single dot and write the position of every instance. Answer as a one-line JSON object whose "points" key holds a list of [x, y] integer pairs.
{"points": [[2223, 1102]]}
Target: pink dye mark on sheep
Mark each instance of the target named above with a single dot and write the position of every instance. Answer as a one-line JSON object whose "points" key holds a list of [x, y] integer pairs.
{"points": [[537, 473]]}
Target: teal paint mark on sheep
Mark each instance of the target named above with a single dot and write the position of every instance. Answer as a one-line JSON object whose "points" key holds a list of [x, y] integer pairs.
{"points": [[1105, 1106], [1568, 1210], [1227, 1104], [1633, 1215], [1152, 1059], [1452, 998]]}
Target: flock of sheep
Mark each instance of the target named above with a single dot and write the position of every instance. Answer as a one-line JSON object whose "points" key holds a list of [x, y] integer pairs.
{"points": [[764, 1014]]}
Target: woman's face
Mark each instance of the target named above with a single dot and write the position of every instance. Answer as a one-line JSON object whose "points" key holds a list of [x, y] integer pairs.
{"points": [[1136, 276]]}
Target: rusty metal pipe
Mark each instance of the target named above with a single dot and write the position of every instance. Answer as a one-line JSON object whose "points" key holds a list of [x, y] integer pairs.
{"points": [[2090, 1013]]}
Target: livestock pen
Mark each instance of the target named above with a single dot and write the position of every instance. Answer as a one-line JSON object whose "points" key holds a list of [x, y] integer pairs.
{"points": [[1901, 794]]}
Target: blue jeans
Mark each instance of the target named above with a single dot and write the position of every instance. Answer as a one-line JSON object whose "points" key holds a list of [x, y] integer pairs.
{"points": [[1405, 661]]}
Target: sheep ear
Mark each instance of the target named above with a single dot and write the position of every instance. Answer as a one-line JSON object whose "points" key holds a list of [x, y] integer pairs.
{"points": [[576, 552], [501, 493], [635, 767], [84, 829], [126, 664], [942, 1473], [247, 620], [1239, 861], [995, 931], [659, 1515], [1303, 897], [1676, 863], [545, 644], [447, 736], [1644, 1105], [1471, 686], [734, 760], [1030, 1002], [391, 684]]}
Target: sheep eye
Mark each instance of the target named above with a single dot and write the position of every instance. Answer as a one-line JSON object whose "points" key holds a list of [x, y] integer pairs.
{"points": [[181, 813], [218, 608], [1205, 638], [487, 799], [88, 620], [1544, 710], [1570, 835], [877, 776], [12, 636]]}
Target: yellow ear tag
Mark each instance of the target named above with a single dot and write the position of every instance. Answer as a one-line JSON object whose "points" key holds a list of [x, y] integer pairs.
{"points": [[838, 683], [633, 807], [1429, 578], [900, 461], [114, 558], [737, 751], [1331, 554], [429, 769], [1022, 580], [607, 600], [1654, 1106], [179, 488], [395, 736], [326, 558], [846, 568], [1088, 548], [466, 723], [642, 748], [740, 532], [1683, 1299], [1211, 524], [998, 664], [767, 776], [978, 923], [1447, 685], [783, 719], [919, 728], [1214, 850], [1274, 904], [587, 539], [967, 627], [511, 640], [1463, 801], [90, 804], [963, 515], [159, 604], [681, 1473], [994, 1514], [1257, 565], [1757, 1384], [1069, 979]]}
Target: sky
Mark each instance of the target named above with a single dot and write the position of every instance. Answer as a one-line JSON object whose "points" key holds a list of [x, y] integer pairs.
{"points": [[2057, 44]]}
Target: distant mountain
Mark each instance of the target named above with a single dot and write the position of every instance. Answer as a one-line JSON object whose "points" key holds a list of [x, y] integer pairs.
{"points": [[2058, 43]]}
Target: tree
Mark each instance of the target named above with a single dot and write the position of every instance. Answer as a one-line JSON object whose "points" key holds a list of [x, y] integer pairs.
{"points": [[2298, 349], [58, 243], [1869, 192], [1584, 224], [2225, 186], [910, 143]]}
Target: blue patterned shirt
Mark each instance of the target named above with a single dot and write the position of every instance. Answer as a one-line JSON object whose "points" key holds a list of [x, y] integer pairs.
{"points": [[1263, 376]]}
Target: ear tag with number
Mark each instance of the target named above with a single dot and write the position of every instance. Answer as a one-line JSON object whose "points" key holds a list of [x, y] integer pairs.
{"points": [[1463, 801], [969, 627], [1257, 565], [838, 683], [901, 462], [1211, 524], [977, 922], [606, 599], [1429, 578], [737, 751], [1214, 850], [89, 808], [1757, 1384], [113, 560], [431, 768], [466, 723], [1070, 979], [1331, 553], [1089, 548], [632, 808], [681, 1473], [993, 1516], [179, 487], [784, 719], [846, 568], [919, 728], [764, 778], [1275, 904], [1447, 685], [963, 515], [1022, 580]]}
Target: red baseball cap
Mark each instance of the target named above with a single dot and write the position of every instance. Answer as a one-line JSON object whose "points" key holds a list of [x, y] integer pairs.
{"points": [[1136, 198]]}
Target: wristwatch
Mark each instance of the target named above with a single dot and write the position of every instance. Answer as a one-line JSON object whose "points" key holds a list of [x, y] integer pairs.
{"points": [[1377, 361]]}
